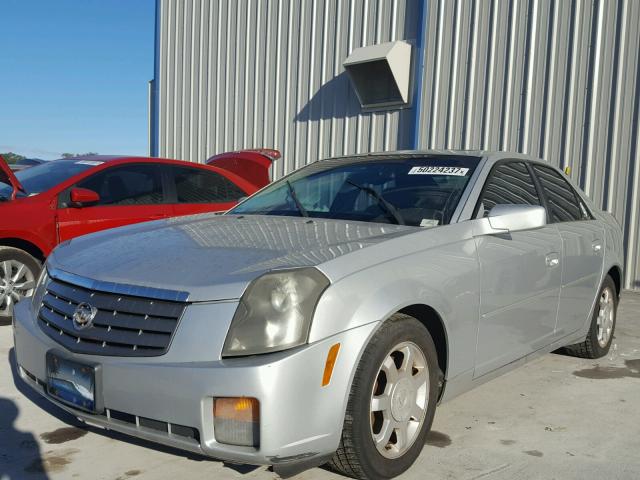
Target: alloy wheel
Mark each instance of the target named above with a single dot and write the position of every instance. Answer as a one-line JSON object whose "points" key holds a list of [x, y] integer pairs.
{"points": [[16, 282], [399, 400], [606, 317]]}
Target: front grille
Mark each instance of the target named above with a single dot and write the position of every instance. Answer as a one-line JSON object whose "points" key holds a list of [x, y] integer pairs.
{"points": [[124, 325]]}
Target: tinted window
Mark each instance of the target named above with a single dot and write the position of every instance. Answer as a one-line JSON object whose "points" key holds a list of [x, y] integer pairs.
{"points": [[41, 178], [561, 198], [418, 191], [509, 183], [127, 185], [194, 185]]}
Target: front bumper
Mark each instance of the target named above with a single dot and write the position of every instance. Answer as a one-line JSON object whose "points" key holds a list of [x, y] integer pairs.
{"points": [[300, 421]]}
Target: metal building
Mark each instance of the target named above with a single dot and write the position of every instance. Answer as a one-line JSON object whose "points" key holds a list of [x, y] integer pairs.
{"points": [[559, 79]]}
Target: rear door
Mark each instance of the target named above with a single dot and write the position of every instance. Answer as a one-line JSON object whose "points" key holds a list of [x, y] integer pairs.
{"points": [[129, 193], [582, 249], [199, 190], [519, 275]]}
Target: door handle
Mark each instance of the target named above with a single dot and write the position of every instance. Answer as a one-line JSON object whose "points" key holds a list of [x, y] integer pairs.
{"points": [[552, 260], [596, 245]]}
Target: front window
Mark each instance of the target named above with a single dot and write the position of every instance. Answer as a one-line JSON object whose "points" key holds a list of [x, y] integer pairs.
{"points": [[509, 184], [127, 185], [417, 191], [41, 178]]}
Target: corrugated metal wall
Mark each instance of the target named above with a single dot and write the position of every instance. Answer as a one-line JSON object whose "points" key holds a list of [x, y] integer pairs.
{"points": [[268, 73], [555, 78]]}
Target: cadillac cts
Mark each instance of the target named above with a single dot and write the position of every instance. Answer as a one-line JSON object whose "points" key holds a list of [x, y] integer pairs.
{"points": [[325, 317]]}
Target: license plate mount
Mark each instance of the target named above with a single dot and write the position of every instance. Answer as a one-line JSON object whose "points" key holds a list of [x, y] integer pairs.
{"points": [[73, 383]]}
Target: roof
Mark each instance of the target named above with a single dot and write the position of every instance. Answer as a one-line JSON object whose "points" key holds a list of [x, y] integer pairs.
{"points": [[494, 155], [101, 158]]}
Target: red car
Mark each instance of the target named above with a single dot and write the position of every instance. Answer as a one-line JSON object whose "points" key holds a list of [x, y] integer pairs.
{"points": [[62, 199]]}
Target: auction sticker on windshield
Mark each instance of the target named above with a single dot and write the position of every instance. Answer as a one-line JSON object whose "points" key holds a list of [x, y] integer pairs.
{"points": [[433, 170]]}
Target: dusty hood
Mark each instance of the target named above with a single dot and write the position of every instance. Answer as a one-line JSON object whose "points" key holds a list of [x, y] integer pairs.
{"points": [[213, 257]]}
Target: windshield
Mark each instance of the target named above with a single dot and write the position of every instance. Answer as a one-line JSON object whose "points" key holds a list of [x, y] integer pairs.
{"points": [[419, 191], [41, 178], [29, 161]]}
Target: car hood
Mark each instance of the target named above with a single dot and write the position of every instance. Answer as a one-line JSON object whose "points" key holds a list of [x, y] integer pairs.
{"points": [[213, 257]]}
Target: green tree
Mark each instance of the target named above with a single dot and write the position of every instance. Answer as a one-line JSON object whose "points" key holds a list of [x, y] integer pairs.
{"points": [[11, 157]]}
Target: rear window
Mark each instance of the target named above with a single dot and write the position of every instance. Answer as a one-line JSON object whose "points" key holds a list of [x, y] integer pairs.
{"points": [[563, 201], [195, 185]]}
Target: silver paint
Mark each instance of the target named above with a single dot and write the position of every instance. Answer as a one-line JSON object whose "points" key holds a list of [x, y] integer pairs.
{"points": [[503, 297]]}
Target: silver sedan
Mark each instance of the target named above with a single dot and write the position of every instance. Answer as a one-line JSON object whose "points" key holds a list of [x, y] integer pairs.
{"points": [[324, 318]]}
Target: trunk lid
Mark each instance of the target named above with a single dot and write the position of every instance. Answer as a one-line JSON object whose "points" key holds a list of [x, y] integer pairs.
{"points": [[252, 165]]}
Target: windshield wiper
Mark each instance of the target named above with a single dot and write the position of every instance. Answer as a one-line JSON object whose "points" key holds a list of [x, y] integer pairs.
{"points": [[390, 209], [294, 196]]}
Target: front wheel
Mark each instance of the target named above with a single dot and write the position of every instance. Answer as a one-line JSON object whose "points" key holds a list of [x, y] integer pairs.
{"points": [[392, 402], [18, 274]]}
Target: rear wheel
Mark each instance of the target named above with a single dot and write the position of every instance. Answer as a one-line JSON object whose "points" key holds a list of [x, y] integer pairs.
{"points": [[603, 324], [392, 402], [18, 274]]}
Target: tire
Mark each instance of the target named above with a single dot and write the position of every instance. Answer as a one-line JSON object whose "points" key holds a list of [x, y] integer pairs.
{"points": [[17, 269], [595, 345], [359, 455]]}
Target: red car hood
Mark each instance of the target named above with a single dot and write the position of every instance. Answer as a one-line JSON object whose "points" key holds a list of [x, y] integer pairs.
{"points": [[7, 176]]}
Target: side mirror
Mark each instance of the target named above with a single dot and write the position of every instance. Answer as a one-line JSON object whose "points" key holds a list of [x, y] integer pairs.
{"points": [[515, 218], [83, 197]]}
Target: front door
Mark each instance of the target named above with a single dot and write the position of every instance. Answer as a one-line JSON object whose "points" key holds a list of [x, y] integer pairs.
{"points": [[129, 194], [520, 275]]}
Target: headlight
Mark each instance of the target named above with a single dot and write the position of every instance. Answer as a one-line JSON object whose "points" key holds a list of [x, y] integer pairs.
{"points": [[275, 312], [41, 288]]}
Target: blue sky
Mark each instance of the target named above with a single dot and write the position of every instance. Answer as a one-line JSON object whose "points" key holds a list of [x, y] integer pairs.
{"points": [[73, 76]]}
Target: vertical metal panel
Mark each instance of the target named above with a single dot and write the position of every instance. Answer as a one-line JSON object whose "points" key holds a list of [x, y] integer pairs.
{"points": [[254, 73], [559, 79], [554, 78]]}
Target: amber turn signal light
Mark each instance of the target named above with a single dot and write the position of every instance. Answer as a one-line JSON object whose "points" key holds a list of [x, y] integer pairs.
{"points": [[237, 420], [329, 364], [240, 409]]}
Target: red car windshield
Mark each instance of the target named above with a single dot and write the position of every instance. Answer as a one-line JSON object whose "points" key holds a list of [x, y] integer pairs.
{"points": [[41, 178]]}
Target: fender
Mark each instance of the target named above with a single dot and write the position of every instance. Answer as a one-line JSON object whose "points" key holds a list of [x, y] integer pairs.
{"points": [[376, 293], [27, 237]]}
